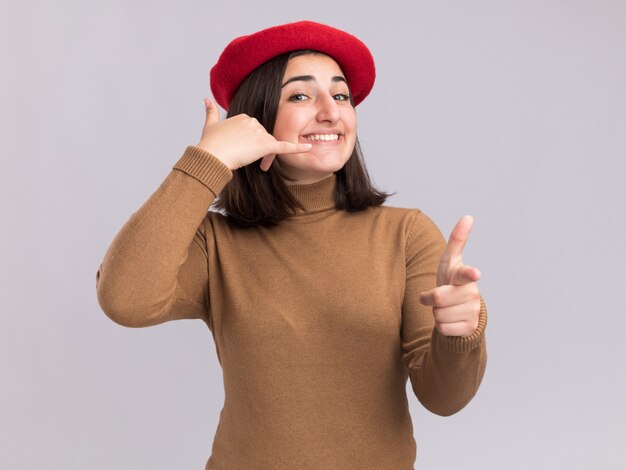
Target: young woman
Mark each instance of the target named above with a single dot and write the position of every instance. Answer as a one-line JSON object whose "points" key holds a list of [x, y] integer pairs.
{"points": [[321, 301]]}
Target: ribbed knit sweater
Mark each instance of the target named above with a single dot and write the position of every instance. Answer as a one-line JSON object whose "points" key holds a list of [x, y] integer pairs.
{"points": [[317, 322]]}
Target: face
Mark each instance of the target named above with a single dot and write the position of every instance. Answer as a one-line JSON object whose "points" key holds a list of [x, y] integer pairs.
{"points": [[315, 108]]}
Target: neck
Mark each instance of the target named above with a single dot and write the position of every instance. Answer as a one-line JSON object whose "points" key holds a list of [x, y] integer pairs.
{"points": [[315, 197], [306, 181]]}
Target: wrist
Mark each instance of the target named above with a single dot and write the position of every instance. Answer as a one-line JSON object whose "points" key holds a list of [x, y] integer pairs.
{"points": [[202, 147]]}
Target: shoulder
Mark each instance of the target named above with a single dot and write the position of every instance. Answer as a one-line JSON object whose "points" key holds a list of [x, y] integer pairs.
{"points": [[414, 221], [418, 233]]}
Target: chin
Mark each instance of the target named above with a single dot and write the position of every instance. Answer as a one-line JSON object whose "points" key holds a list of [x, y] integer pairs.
{"points": [[320, 170]]}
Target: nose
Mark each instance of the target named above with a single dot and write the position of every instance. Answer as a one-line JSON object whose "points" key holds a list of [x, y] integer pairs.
{"points": [[327, 108]]}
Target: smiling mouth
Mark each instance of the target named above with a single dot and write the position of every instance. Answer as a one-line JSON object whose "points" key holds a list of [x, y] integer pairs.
{"points": [[322, 137]]}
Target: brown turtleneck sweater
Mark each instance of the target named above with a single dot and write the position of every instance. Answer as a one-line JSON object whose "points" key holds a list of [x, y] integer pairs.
{"points": [[317, 323]]}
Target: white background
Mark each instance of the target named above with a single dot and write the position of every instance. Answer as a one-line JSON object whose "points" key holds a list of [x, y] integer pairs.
{"points": [[511, 111]]}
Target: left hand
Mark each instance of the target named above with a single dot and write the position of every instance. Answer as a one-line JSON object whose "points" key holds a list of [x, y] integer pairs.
{"points": [[456, 299]]}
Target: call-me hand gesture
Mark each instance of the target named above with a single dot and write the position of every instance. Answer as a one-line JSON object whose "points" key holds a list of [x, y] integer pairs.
{"points": [[456, 299], [241, 140]]}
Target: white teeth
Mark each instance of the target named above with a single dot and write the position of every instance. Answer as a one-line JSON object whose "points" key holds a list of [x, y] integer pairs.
{"points": [[322, 137]]}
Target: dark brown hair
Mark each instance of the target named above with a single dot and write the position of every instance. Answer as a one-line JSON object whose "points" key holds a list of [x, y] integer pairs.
{"points": [[255, 197]]}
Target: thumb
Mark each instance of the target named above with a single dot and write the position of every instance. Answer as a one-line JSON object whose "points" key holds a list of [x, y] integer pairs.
{"points": [[464, 275], [212, 113]]}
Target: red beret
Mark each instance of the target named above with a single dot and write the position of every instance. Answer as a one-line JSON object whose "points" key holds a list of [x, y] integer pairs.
{"points": [[246, 53]]}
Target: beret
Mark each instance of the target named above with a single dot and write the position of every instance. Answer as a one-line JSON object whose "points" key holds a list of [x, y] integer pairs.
{"points": [[245, 53]]}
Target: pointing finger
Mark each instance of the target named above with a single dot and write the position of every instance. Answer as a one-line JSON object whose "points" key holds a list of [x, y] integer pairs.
{"points": [[457, 239]]}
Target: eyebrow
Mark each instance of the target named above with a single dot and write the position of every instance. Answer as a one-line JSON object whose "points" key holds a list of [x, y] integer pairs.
{"points": [[311, 78]]}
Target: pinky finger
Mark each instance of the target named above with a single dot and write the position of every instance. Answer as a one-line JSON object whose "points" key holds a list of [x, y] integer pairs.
{"points": [[459, 328]]}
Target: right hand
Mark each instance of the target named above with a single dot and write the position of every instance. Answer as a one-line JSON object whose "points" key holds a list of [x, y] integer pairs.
{"points": [[241, 140]]}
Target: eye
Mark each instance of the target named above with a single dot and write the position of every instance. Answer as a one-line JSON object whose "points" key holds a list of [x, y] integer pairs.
{"points": [[342, 97], [298, 97]]}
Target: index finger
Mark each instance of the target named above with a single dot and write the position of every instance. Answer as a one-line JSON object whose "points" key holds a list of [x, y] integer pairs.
{"points": [[458, 238]]}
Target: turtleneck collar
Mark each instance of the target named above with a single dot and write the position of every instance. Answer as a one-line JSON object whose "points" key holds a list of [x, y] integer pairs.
{"points": [[315, 197]]}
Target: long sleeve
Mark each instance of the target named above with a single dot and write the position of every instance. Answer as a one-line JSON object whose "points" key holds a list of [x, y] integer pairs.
{"points": [[445, 371], [155, 270]]}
